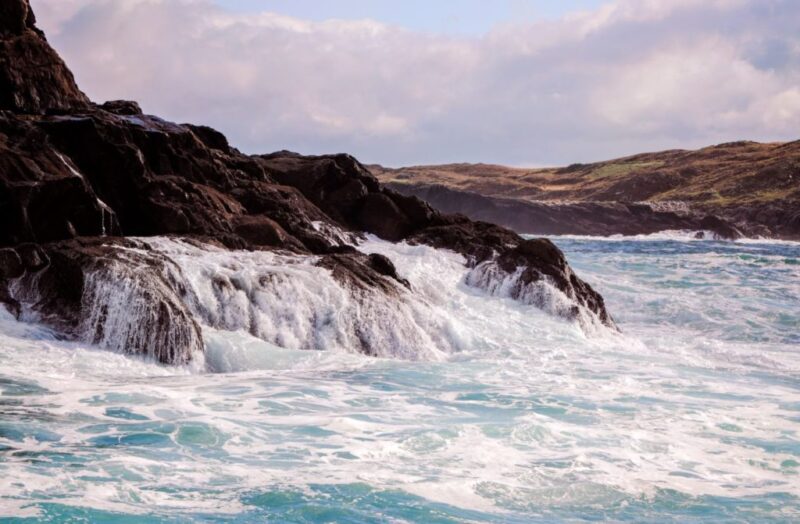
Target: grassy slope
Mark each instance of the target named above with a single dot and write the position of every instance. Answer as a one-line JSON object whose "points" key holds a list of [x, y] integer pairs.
{"points": [[726, 175]]}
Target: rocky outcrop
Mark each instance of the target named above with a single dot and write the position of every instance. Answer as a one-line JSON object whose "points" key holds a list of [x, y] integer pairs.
{"points": [[77, 180], [117, 294], [568, 218], [33, 78]]}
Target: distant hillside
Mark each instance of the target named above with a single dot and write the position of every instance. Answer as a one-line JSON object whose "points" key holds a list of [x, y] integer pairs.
{"points": [[752, 187]]}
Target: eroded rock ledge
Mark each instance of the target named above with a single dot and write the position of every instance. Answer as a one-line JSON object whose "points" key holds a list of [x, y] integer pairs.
{"points": [[77, 178]]}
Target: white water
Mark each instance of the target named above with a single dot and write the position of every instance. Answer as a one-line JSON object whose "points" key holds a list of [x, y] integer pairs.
{"points": [[292, 303], [508, 413]]}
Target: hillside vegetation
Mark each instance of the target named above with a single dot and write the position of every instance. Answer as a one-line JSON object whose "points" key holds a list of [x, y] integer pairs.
{"points": [[722, 175]]}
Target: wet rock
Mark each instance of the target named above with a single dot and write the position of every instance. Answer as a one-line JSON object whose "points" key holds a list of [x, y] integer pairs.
{"points": [[32, 256], [9, 303], [264, 232], [42, 195], [721, 228], [115, 294], [384, 266], [10, 264], [538, 259], [364, 272]]}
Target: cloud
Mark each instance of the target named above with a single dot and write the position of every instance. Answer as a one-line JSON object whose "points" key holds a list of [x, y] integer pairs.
{"points": [[631, 76]]}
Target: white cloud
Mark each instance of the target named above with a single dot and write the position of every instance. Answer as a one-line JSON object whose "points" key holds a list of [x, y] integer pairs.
{"points": [[633, 75]]}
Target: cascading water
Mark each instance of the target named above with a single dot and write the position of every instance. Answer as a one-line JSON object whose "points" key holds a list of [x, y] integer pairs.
{"points": [[138, 310], [291, 302], [507, 414]]}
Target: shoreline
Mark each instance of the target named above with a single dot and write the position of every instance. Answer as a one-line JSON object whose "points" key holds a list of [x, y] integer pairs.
{"points": [[598, 218]]}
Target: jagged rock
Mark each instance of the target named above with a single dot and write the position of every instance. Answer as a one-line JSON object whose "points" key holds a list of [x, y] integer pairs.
{"points": [[42, 196], [72, 173], [210, 137], [539, 259], [33, 78], [14, 17], [122, 107], [365, 272]]}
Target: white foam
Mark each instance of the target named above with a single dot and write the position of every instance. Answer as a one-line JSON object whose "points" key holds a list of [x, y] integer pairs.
{"points": [[291, 302], [526, 416], [675, 235]]}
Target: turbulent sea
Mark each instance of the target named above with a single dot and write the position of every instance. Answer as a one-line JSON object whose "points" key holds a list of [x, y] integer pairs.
{"points": [[496, 411]]}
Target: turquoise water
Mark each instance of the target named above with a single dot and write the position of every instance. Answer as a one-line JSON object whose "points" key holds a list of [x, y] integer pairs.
{"points": [[691, 415]]}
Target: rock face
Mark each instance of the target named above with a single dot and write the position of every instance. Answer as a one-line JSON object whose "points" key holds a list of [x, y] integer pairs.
{"points": [[77, 178], [33, 78], [568, 218]]}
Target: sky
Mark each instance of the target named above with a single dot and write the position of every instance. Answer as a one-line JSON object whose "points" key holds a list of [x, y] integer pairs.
{"points": [[515, 82], [465, 17]]}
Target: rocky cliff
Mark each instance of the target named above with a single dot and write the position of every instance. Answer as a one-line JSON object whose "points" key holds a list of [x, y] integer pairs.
{"points": [[735, 189], [81, 184]]}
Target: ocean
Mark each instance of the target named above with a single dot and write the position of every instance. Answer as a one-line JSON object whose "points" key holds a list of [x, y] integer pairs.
{"points": [[478, 409]]}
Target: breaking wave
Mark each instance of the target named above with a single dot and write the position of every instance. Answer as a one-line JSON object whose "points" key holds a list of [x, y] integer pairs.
{"points": [[160, 296], [519, 416]]}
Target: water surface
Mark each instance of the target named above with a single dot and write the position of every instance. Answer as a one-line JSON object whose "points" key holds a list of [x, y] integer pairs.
{"points": [[692, 414]]}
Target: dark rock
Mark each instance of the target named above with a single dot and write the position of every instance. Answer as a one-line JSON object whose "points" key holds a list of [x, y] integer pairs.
{"points": [[721, 228], [11, 304], [122, 107], [262, 231], [357, 271], [14, 16], [541, 258], [418, 212], [347, 198], [33, 78], [542, 250], [292, 211], [384, 266], [72, 173], [42, 195], [10, 264], [32, 256], [210, 137], [115, 294], [381, 216]]}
